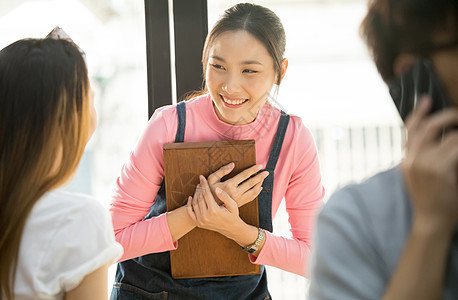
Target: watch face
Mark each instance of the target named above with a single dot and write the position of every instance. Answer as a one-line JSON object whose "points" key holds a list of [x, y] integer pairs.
{"points": [[251, 250]]}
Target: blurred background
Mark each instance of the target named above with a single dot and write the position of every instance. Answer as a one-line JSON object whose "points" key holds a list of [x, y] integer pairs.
{"points": [[331, 83]]}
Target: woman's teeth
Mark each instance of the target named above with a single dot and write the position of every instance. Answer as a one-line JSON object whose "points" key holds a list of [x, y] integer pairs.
{"points": [[233, 101]]}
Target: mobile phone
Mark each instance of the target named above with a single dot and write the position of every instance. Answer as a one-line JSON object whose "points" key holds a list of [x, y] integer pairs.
{"points": [[420, 79]]}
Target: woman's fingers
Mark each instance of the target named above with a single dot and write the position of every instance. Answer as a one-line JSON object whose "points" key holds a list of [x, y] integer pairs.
{"points": [[207, 194], [201, 203], [198, 203], [204, 210], [229, 203], [220, 173], [190, 210], [240, 188], [251, 194], [196, 191], [250, 183], [245, 174]]}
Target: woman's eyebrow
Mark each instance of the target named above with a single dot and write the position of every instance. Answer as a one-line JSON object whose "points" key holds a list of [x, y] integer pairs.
{"points": [[217, 58], [251, 62], [246, 62]]}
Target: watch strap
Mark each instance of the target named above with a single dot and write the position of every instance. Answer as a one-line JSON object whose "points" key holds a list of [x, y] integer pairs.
{"points": [[255, 246]]}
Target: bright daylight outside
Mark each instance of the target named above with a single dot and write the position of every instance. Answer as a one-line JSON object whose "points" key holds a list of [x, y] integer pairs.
{"points": [[331, 83]]}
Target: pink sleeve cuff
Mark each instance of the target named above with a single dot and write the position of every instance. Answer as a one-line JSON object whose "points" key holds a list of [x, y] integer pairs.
{"points": [[169, 243]]}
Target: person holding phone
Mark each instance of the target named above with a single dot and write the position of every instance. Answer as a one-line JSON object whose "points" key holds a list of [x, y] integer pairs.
{"points": [[242, 61], [53, 244], [395, 236]]}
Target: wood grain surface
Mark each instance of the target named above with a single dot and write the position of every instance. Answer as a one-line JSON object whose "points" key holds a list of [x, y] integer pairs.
{"points": [[205, 253]]}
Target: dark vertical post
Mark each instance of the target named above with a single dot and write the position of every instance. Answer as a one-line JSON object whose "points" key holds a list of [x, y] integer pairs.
{"points": [[191, 27], [158, 54]]}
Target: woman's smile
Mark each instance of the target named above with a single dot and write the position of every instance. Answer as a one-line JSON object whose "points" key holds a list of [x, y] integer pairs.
{"points": [[233, 102]]}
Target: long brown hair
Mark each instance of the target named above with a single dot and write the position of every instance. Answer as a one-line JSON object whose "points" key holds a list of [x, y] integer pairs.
{"points": [[257, 20], [44, 127]]}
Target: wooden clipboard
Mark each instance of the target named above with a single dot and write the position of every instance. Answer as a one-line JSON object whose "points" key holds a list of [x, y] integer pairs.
{"points": [[205, 253]]}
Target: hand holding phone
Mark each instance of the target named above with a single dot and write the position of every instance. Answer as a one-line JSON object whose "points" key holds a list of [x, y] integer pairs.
{"points": [[430, 162], [420, 79]]}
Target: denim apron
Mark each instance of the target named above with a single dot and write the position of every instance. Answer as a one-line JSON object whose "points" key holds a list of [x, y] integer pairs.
{"points": [[149, 276]]}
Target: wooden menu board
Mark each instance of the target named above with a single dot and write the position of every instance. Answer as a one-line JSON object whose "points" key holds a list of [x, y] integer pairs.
{"points": [[201, 252]]}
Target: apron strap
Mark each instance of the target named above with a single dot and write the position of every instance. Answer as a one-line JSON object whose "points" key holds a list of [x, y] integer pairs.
{"points": [[265, 197], [181, 112], [278, 141]]}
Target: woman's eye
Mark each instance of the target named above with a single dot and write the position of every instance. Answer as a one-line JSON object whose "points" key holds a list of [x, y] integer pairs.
{"points": [[249, 71], [219, 67]]}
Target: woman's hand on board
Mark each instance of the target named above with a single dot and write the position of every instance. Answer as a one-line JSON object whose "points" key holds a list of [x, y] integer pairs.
{"points": [[242, 188], [208, 214]]}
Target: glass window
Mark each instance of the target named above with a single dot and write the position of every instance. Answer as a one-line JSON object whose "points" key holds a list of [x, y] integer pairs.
{"points": [[112, 33]]}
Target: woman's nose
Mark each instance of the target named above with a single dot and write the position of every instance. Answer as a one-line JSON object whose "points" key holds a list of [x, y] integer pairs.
{"points": [[232, 84]]}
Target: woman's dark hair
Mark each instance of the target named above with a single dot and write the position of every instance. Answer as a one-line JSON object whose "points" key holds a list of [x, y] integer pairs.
{"points": [[393, 27], [44, 127], [260, 22]]}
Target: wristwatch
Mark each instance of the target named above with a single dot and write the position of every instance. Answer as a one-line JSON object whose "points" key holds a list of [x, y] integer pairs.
{"points": [[255, 246]]}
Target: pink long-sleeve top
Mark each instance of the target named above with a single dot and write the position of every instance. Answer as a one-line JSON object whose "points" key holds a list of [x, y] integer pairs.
{"points": [[297, 179]]}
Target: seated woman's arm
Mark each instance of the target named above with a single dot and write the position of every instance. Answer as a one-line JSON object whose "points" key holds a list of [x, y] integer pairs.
{"points": [[93, 286]]}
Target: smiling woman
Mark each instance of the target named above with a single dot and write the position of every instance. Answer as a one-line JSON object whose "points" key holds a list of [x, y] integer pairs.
{"points": [[242, 60], [239, 76]]}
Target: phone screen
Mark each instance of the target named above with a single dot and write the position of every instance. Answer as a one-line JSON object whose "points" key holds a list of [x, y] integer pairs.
{"points": [[420, 79]]}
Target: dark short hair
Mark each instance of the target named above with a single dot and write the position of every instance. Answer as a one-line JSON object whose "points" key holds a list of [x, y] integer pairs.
{"points": [[393, 27]]}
